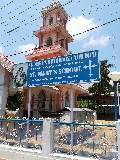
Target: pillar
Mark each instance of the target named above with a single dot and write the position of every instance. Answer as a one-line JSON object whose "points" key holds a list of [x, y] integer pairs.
{"points": [[44, 21], [115, 99], [60, 98], [64, 101], [3, 99], [25, 99], [56, 16], [66, 45], [29, 107], [76, 95], [65, 24], [29, 102], [71, 114], [58, 37], [47, 136], [58, 102], [116, 153], [39, 42]]}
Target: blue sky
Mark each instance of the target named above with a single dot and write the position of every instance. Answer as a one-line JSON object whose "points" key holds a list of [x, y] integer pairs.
{"points": [[83, 15]]}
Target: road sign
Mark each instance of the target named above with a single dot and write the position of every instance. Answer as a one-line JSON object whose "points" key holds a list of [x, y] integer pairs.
{"points": [[69, 69]]}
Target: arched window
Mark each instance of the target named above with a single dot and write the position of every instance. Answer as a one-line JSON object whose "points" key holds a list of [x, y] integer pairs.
{"points": [[51, 20], [61, 20], [49, 42], [62, 42], [41, 101], [50, 103], [32, 102], [67, 100]]}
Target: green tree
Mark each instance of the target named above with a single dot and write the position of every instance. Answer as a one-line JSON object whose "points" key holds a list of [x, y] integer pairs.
{"points": [[104, 86], [83, 103], [14, 102], [86, 103]]}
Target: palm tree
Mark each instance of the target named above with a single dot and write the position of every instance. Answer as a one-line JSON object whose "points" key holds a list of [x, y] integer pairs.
{"points": [[104, 86]]}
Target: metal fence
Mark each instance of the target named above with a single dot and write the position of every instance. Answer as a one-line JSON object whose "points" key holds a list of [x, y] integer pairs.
{"points": [[21, 132], [94, 140], [82, 139]]}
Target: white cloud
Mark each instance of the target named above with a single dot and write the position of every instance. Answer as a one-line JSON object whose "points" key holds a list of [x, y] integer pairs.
{"points": [[26, 48], [80, 24], [100, 41], [1, 49]]}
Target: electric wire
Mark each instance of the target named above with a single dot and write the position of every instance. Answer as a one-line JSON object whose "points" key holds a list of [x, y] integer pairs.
{"points": [[18, 27]]}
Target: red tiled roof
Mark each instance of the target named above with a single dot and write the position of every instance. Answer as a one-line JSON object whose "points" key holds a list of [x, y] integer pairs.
{"points": [[6, 63], [54, 87], [79, 86], [42, 50]]}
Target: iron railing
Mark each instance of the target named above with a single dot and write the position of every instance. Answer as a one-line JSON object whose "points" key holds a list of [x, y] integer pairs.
{"points": [[88, 139], [94, 140], [21, 132]]}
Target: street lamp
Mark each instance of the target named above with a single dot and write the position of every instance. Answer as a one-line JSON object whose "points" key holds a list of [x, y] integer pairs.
{"points": [[115, 76]]}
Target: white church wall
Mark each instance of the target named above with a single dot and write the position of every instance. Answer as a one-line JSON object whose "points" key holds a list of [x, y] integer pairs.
{"points": [[4, 84], [4, 79]]}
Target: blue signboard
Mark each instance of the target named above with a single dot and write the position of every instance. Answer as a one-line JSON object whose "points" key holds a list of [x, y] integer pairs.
{"points": [[69, 69], [20, 78]]}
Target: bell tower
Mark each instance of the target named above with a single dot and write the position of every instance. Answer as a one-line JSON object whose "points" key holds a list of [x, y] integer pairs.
{"points": [[53, 36]]}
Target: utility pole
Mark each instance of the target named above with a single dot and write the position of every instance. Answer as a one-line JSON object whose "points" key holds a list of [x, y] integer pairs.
{"points": [[114, 57]]}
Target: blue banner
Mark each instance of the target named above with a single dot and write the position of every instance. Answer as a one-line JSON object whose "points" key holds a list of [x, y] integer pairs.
{"points": [[69, 69]]}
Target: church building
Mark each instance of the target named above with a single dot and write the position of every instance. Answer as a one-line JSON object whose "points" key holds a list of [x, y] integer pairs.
{"points": [[53, 41]]}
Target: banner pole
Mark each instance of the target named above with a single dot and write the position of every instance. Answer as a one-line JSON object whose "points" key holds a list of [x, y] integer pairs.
{"points": [[71, 114]]}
